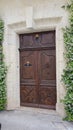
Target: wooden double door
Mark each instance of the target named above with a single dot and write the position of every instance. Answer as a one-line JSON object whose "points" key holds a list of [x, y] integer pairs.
{"points": [[37, 72]]}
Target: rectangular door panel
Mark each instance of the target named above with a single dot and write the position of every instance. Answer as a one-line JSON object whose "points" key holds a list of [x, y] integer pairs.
{"points": [[28, 64], [47, 96], [28, 94]]}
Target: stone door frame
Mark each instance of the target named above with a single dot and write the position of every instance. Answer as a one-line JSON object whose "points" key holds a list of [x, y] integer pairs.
{"points": [[11, 50]]}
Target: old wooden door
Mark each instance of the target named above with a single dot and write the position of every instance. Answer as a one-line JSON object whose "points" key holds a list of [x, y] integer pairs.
{"points": [[38, 70]]}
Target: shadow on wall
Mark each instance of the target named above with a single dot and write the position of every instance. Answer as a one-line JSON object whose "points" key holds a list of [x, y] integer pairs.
{"points": [[0, 126]]}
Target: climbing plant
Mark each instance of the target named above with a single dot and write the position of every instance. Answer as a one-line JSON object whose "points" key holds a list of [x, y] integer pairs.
{"points": [[68, 71], [3, 70]]}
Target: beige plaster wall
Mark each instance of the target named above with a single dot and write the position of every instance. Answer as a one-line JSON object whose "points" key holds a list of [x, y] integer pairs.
{"points": [[22, 16]]}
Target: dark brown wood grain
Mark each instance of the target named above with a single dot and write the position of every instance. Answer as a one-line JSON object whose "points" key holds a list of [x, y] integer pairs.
{"points": [[38, 69]]}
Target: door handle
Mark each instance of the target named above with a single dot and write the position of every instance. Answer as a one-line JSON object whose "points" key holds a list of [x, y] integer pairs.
{"points": [[27, 64]]}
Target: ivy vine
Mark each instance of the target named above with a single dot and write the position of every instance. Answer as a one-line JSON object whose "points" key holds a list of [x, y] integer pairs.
{"points": [[68, 71], [3, 70]]}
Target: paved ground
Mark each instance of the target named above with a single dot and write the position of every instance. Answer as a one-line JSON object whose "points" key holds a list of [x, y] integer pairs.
{"points": [[33, 119]]}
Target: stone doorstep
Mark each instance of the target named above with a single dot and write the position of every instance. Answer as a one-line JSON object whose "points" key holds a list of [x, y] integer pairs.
{"points": [[39, 110]]}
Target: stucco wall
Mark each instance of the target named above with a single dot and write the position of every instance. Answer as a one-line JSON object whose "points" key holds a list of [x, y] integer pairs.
{"points": [[23, 16]]}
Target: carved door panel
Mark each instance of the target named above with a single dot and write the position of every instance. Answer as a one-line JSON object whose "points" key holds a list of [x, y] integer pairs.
{"points": [[47, 78]]}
